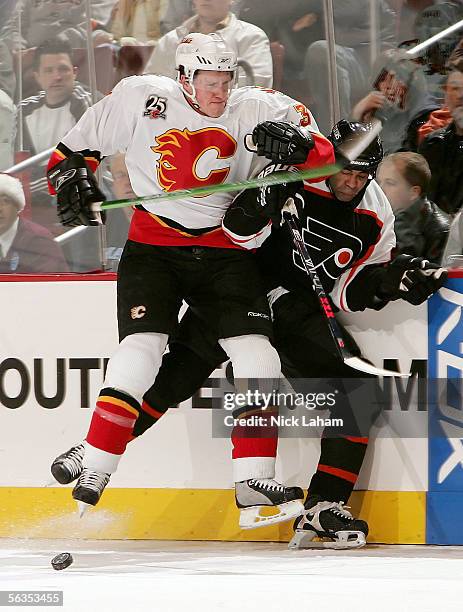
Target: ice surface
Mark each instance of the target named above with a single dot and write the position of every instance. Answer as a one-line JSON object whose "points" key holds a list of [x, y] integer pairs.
{"points": [[236, 577]]}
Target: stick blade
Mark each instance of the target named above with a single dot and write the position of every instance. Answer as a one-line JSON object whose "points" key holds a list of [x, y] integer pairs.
{"points": [[368, 368]]}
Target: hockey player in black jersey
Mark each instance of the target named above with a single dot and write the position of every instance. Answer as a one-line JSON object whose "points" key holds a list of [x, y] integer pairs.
{"points": [[347, 224]]}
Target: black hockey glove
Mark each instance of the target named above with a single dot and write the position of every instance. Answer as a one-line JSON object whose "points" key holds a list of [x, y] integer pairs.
{"points": [[413, 279], [282, 142], [77, 188], [272, 198]]}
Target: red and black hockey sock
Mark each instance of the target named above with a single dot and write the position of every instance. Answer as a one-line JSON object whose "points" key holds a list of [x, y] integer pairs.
{"points": [[182, 373], [113, 421], [338, 468], [147, 418], [255, 435]]}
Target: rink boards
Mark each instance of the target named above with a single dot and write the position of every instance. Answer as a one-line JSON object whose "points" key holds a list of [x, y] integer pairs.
{"points": [[175, 482]]}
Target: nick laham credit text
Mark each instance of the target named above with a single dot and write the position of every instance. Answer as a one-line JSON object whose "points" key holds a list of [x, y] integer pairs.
{"points": [[291, 420]]}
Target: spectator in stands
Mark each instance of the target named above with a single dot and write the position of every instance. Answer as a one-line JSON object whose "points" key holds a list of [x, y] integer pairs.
{"points": [[102, 9], [294, 27], [42, 20], [421, 228], [25, 247], [61, 101], [443, 149], [442, 117], [401, 100], [45, 19], [353, 49], [250, 43], [50, 114], [137, 19], [177, 11], [433, 19], [7, 93], [7, 108]]}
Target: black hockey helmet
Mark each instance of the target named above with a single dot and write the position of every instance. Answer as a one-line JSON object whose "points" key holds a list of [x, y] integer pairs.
{"points": [[345, 133]]}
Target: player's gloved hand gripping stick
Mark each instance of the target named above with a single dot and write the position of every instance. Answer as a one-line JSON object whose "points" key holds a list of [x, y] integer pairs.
{"points": [[290, 217]]}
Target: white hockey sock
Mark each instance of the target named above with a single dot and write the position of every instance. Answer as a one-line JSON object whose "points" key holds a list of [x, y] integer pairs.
{"points": [[135, 364]]}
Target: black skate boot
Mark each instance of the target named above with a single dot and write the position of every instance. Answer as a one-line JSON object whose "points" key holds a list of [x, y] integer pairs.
{"points": [[330, 523], [252, 495], [89, 488], [68, 466]]}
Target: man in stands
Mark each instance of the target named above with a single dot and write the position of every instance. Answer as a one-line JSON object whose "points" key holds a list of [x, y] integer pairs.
{"points": [[443, 150], [47, 116], [249, 42]]}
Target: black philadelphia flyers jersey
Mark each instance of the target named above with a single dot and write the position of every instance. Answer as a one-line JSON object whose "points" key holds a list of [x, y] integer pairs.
{"points": [[348, 245]]}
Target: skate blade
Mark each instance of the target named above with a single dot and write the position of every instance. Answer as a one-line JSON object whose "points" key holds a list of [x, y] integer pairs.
{"points": [[82, 508], [250, 518], [50, 483], [304, 539]]}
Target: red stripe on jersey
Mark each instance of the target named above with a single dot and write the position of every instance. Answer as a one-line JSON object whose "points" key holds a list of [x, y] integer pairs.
{"points": [[146, 228], [321, 155], [244, 240], [357, 440], [320, 192], [151, 411], [344, 474], [360, 262]]}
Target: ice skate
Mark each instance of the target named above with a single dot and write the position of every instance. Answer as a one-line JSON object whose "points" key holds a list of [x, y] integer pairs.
{"points": [[327, 524], [253, 495], [89, 488], [68, 466]]}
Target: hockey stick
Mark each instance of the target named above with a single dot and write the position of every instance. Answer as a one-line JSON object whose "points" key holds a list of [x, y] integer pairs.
{"points": [[271, 179], [291, 220]]}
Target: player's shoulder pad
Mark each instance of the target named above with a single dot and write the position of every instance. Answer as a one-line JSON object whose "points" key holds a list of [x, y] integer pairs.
{"points": [[140, 83], [257, 95], [260, 104]]}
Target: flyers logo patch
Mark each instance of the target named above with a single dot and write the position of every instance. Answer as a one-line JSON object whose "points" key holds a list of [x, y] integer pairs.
{"points": [[193, 159], [331, 249]]}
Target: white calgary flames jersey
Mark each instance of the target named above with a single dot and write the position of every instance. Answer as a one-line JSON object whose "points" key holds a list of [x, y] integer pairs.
{"points": [[168, 146]]}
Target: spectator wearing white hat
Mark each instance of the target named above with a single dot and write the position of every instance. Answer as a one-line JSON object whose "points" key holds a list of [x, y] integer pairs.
{"points": [[25, 247]]}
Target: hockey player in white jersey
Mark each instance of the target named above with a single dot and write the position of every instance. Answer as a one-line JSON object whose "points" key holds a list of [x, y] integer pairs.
{"points": [[178, 135]]}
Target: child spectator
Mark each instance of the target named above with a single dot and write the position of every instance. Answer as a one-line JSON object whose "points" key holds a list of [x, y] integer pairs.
{"points": [[420, 226]]}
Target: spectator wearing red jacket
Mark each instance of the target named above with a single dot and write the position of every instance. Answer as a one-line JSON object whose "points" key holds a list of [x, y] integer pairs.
{"points": [[25, 247]]}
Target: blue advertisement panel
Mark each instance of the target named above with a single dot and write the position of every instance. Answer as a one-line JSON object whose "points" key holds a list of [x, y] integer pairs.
{"points": [[445, 446]]}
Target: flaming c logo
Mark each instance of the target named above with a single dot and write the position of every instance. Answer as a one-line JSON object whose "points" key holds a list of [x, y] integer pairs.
{"points": [[193, 159]]}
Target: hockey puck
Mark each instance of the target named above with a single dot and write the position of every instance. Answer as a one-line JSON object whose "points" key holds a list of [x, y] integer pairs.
{"points": [[62, 561]]}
